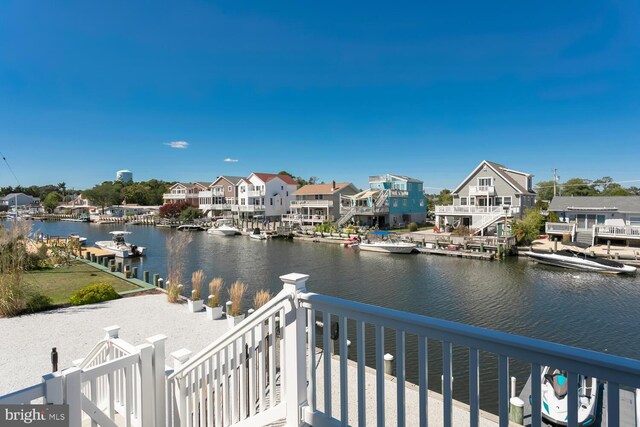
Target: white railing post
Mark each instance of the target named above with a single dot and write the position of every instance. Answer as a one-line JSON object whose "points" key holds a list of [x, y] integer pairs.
{"points": [[294, 368], [53, 388], [147, 389], [112, 332], [158, 343], [73, 382]]}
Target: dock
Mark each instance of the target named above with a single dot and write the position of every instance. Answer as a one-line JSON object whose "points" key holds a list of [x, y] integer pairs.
{"points": [[627, 406], [458, 253]]}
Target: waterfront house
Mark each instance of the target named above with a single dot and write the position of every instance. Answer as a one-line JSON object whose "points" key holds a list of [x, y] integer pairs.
{"points": [[391, 201], [222, 193], [23, 202], [185, 192], [489, 195], [318, 203], [597, 219], [264, 195]]}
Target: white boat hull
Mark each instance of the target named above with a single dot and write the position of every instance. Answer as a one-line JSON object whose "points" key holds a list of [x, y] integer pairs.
{"points": [[554, 408], [577, 263], [389, 248], [223, 231], [258, 236]]}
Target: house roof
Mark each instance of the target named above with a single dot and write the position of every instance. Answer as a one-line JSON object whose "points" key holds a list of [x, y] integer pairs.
{"points": [[189, 185], [233, 180], [622, 204], [502, 171], [12, 196], [399, 177], [266, 177], [321, 188]]}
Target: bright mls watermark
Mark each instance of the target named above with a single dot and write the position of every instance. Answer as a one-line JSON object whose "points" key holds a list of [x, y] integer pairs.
{"points": [[34, 415]]}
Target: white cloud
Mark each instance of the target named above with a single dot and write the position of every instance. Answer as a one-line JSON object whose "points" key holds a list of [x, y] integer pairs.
{"points": [[177, 144], [230, 160]]}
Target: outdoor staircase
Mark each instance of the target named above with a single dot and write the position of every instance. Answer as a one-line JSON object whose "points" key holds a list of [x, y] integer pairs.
{"points": [[487, 220], [346, 217], [585, 237]]}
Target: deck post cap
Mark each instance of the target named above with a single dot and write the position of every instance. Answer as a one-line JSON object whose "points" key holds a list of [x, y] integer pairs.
{"points": [[516, 401]]}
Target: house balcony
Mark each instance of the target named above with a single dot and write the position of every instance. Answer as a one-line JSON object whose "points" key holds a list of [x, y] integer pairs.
{"points": [[452, 210], [174, 197], [482, 190], [617, 231], [304, 219], [312, 203], [255, 193], [296, 373], [247, 208], [364, 210]]}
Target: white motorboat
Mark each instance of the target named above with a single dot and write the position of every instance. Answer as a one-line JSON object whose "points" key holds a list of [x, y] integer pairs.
{"points": [[81, 240], [387, 243], [581, 261], [119, 247], [554, 397], [256, 234], [190, 227], [223, 230]]}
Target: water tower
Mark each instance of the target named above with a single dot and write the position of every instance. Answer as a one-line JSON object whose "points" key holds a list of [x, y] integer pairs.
{"points": [[124, 176]]}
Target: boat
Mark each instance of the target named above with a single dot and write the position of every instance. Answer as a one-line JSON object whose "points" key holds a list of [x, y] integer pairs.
{"points": [[569, 258], [258, 235], [351, 242], [81, 240], [554, 397], [119, 247], [190, 227], [387, 242], [223, 230]]}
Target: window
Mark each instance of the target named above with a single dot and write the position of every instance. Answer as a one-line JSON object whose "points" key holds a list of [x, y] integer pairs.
{"points": [[422, 202], [506, 200], [463, 201], [485, 182], [287, 194], [280, 202], [472, 201], [404, 202], [498, 201], [395, 203], [271, 201], [230, 188], [282, 187]]}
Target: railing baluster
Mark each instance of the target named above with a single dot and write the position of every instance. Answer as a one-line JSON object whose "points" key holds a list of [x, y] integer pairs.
{"points": [[94, 398], [474, 387], [218, 394], [344, 393], [503, 390], [380, 375], [447, 400], [233, 385], [572, 403], [211, 390], [536, 395], [283, 355], [242, 380], [225, 387], [262, 368], [326, 352], [202, 385], [127, 398], [272, 361], [362, 399], [400, 344], [613, 404], [311, 366], [423, 381], [252, 372], [192, 395]]}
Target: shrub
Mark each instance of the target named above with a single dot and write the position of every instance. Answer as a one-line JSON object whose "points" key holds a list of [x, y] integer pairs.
{"points": [[91, 294], [413, 226], [215, 286], [261, 298], [38, 302], [236, 293], [14, 293]]}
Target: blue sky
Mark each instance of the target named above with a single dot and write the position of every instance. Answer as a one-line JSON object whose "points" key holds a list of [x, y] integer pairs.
{"points": [[337, 90]]}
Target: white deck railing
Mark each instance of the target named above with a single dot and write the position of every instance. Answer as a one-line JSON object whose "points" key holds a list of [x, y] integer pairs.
{"points": [[312, 219], [617, 231], [312, 203]]}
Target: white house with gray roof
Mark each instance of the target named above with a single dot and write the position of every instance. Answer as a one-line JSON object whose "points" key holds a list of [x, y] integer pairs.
{"points": [[488, 195], [596, 219]]}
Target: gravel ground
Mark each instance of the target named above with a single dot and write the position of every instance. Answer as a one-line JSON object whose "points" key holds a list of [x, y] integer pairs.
{"points": [[26, 341]]}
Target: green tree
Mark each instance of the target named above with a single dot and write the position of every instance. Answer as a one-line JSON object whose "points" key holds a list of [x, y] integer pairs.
{"points": [[544, 190], [615, 190], [445, 197], [103, 195], [51, 201], [529, 227], [191, 213], [578, 187], [62, 186]]}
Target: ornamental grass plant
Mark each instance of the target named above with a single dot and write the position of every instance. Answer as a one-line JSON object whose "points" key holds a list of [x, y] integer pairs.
{"points": [[236, 293], [197, 278], [215, 287]]}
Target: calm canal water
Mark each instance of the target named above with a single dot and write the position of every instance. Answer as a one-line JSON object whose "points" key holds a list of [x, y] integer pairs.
{"points": [[588, 310]]}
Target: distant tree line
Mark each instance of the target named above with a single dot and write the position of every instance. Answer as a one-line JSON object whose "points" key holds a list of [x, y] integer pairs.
{"points": [[584, 187]]}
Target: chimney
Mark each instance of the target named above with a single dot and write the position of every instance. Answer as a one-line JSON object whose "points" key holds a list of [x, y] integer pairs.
{"points": [[333, 186]]}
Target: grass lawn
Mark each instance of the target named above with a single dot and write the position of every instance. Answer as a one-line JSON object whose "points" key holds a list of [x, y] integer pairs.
{"points": [[60, 283]]}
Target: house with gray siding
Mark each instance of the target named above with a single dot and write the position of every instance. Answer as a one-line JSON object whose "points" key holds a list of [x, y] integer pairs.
{"points": [[222, 193], [597, 219], [490, 195], [318, 203]]}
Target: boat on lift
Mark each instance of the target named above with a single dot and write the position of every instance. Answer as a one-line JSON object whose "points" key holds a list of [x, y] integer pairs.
{"points": [[118, 246]]}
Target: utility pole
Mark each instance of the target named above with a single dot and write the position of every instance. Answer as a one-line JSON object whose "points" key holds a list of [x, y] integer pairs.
{"points": [[555, 180]]}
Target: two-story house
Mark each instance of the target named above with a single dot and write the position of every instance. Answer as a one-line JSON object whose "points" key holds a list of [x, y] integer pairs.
{"points": [[264, 195], [391, 200], [221, 195], [318, 203], [490, 194], [185, 192]]}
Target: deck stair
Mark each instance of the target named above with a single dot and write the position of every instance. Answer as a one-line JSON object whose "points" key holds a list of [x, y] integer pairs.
{"points": [[585, 237], [346, 217]]}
